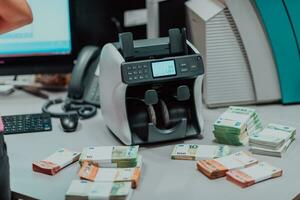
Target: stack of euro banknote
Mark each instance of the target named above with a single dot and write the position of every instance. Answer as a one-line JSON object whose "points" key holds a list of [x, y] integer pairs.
{"points": [[274, 140], [94, 173], [240, 168], [110, 156], [199, 152], [56, 162], [249, 176], [85, 190], [109, 172], [216, 168], [235, 124]]}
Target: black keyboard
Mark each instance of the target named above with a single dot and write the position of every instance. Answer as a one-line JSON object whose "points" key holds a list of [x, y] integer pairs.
{"points": [[28, 123]]}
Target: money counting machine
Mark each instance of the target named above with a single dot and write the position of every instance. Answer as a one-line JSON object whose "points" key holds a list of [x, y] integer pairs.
{"points": [[150, 90]]}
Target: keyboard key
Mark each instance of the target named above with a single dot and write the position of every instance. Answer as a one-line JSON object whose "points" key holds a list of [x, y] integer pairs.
{"points": [[26, 123]]}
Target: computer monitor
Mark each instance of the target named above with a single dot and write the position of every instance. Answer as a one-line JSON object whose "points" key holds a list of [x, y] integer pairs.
{"points": [[45, 46]]}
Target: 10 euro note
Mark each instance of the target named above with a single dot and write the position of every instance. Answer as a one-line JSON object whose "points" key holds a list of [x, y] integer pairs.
{"points": [[56, 162], [199, 152]]}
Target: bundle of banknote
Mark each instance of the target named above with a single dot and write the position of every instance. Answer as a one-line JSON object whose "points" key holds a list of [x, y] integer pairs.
{"points": [[216, 168], [274, 140], [93, 173], [199, 152], [235, 124], [55, 162], [254, 174], [86, 190], [110, 156]]}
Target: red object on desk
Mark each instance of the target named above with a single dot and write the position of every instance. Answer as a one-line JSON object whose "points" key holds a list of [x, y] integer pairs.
{"points": [[1, 125]]}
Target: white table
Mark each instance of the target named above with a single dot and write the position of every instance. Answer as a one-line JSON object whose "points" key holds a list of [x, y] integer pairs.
{"points": [[162, 178]]}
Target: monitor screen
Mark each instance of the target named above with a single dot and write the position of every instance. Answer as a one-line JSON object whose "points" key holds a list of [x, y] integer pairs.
{"points": [[163, 68], [49, 34]]}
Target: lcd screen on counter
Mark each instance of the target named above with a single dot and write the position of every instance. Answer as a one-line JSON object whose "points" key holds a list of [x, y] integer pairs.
{"points": [[163, 68]]}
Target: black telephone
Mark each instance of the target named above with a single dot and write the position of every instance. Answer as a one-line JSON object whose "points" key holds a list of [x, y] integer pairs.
{"points": [[84, 84], [83, 91]]}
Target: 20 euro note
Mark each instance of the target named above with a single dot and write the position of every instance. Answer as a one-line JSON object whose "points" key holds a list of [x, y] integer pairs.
{"points": [[254, 174], [93, 173], [216, 168], [56, 162]]}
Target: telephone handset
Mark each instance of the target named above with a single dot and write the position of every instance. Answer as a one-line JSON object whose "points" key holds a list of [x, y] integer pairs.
{"points": [[83, 91], [84, 84]]}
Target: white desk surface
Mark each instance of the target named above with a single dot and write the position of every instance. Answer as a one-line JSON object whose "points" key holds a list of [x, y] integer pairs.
{"points": [[162, 178]]}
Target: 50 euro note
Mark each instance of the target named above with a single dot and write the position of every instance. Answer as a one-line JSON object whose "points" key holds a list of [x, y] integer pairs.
{"points": [[93, 173], [234, 125], [85, 190], [230, 131], [216, 168], [199, 152], [56, 162], [228, 125], [110, 156], [254, 174], [235, 119], [233, 139]]}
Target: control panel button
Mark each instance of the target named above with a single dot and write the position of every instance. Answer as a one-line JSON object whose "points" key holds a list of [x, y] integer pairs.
{"points": [[184, 69], [137, 72], [140, 72], [194, 67]]}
